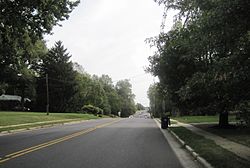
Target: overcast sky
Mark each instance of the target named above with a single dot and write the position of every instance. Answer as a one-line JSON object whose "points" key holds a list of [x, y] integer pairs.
{"points": [[108, 37]]}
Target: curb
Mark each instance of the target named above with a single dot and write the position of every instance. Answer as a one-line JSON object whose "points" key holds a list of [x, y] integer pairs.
{"points": [[195, 155], [39, 127]]}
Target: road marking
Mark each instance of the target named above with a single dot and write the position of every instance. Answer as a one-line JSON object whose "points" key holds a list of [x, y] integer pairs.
{"points": [[52, 142]]}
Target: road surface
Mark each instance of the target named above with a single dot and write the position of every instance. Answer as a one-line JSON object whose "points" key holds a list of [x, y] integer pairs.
{"points": [[105, 143]]}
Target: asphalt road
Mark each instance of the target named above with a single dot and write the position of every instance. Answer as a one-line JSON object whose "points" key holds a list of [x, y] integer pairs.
{"points": [[105, 143]]}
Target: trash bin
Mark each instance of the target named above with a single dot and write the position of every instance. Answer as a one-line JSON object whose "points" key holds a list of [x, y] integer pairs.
{"points": [[164, 122]]}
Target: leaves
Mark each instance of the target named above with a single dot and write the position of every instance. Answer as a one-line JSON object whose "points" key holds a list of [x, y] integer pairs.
{"points": [[203, 63]]}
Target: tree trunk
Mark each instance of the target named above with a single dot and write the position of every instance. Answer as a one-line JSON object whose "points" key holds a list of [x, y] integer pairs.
{"points": [[223, 120]]}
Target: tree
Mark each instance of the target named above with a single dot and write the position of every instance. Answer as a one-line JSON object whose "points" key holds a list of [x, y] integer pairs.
{"points": [[139, 106], [208, 56], [82, 88], [124, 90], [159, 100], [19, 79], [61, 78], [22, 24], [173, 64], [113, 100]]}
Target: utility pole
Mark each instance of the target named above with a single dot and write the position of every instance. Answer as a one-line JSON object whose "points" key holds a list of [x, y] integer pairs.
{"points": [[154, 113], [47, 88]]}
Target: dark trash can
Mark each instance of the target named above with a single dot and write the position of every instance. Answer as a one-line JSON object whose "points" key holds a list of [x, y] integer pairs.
{"points": [[164, 122]]}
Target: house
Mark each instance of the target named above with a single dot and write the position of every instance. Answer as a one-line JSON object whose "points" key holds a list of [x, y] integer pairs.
{"points": [[11, 102]]}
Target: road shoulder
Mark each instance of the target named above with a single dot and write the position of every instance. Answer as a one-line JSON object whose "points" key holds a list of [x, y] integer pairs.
{"points": [[184, 157]]}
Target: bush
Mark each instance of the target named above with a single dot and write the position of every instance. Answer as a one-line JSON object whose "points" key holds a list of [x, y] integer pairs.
{"points": [[244, 107], [92, 109], [112, 115]]}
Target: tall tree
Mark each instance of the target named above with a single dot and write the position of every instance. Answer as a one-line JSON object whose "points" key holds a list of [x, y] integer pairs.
{"points": [[113, 102], [124, 90], [212, 47], [160, 101], [59, 68], [82, 89], [22, 23]]}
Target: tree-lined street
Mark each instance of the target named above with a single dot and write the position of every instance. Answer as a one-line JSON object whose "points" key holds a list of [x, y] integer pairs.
{"points": [[98, 143]]}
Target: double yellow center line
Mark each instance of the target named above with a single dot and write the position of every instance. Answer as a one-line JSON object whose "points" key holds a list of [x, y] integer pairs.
{"points": [[52, 142]]}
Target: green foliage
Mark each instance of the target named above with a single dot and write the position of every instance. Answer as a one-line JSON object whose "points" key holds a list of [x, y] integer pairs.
{"points": [[100, 92], [20, 78], [203, 65], [3, 87], [92, 109], [82, 87], [25, 60], [244, 108], [159, 100], [124, 90], [22, 25], [38, 17], [139, 106], [61, 79], [155, 99]]}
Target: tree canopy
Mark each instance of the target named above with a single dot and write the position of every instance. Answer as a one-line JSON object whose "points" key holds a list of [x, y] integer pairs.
{"points": [[203, 61], [25, 63], [22, 26]]}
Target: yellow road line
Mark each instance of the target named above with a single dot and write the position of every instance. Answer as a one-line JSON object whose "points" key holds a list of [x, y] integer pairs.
{"points": [[37, 146], [52, 142]]}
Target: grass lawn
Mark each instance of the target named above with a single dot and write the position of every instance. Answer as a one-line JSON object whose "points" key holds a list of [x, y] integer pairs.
{"points": [[173, 122], [237, 134], [201, 119], [15, 118], [214, 154]]}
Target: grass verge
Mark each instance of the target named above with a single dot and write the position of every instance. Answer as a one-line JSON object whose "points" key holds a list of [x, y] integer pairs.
{"points": [[201, 119], [173, 122], [237, 134], [213, 153], [32, 119]]}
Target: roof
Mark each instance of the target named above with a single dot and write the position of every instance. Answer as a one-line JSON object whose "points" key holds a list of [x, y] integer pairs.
{"points": [[10, 97], [5, 97]]}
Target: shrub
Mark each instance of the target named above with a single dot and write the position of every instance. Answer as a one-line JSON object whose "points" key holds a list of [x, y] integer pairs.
{"points": [[92, 109], [245, 110], [112, 115]]}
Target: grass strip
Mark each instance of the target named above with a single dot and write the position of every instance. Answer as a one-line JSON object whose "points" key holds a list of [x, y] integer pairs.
{"points": [[237, 134], [15, 118], [34, 125], [202, 119], [213, 153]]}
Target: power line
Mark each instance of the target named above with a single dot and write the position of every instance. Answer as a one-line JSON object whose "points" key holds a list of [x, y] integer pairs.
{"points": [[131, 77], [72, 82]]}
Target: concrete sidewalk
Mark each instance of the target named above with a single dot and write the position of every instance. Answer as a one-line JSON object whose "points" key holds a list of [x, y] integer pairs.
{"points": [[238, 149]]}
